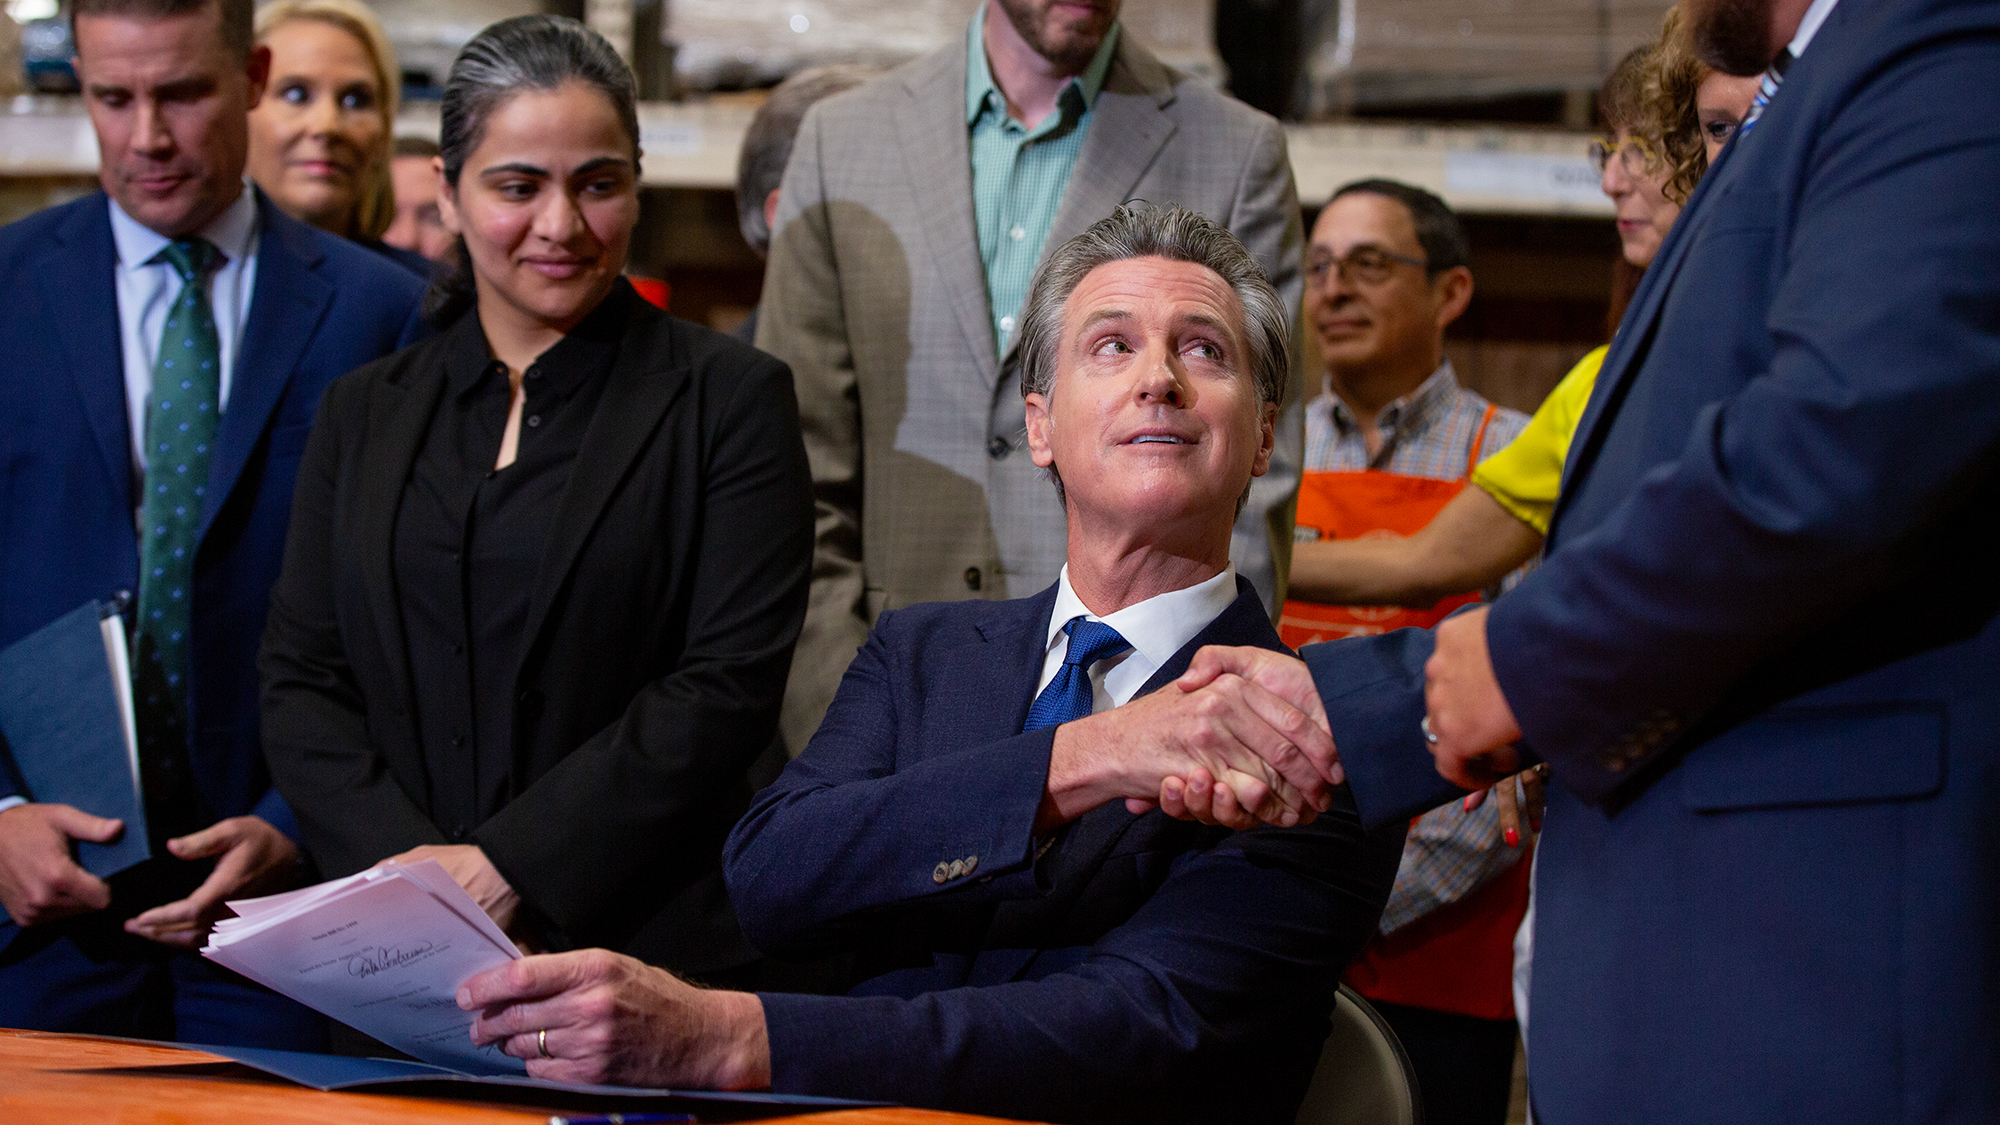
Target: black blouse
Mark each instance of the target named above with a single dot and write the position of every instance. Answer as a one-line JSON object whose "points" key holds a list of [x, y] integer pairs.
{"points": [[469, 541]]}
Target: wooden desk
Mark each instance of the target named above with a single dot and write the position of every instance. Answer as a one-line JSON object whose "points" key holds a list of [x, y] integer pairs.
{"points": [[48, 1079]]}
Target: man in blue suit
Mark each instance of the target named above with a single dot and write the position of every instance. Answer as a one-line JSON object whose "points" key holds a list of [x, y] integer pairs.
{"points": [[973, 820], [178, 261], [1761, 656]]}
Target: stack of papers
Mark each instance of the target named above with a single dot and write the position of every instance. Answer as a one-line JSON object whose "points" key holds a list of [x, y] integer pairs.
{"points": [[383, 952]]}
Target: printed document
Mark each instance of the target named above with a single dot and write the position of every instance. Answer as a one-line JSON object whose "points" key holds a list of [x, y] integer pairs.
{"points": [[382, 951]]}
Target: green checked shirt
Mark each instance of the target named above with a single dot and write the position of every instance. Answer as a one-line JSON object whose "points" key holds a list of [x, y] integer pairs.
{"points": [[1019, 174]]}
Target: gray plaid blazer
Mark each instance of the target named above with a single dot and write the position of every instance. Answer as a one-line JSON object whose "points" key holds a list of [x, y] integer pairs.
{"points": [[876, 297]]}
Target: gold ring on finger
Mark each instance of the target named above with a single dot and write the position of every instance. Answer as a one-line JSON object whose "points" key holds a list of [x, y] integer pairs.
{"points": [[542, 1043]]}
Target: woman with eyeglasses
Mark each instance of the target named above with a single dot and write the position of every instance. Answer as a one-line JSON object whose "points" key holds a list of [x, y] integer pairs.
{"points": [[320, 136], [1668, 116], [546, 569]]}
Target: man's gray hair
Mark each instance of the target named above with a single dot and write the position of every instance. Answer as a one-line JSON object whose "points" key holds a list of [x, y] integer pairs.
{"points": [[1139, 230]]}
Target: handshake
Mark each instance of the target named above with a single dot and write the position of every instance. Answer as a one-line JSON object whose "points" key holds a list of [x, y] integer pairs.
{"points": [[1242, 738]]}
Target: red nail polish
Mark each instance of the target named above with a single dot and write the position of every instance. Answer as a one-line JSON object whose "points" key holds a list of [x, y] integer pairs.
{"points": [[1513, 838]]}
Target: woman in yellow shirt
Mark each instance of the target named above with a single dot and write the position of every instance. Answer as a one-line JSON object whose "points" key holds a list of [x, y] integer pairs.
{"points": [[1665, 133]]}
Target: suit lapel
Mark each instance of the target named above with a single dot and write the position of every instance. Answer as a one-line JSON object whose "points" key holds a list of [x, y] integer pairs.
{"points": [[644, 382], [938, 160], [1632, 343], [1000, 659], [286, 306], [399, 415], [1127, 131], [78, 284], [1128, 128], [1013, 639]]}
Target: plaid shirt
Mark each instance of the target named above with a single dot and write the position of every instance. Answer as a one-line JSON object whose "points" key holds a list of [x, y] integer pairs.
{"points": [[1426, 433], [1449, 852]]}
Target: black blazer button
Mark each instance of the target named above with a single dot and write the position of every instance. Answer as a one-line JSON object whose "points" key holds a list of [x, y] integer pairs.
{"points": [[972, 578], [998, 447], [530, 704]]}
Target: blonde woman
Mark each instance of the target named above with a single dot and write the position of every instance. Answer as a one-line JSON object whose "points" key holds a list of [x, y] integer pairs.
{"points": [[320, 137]]}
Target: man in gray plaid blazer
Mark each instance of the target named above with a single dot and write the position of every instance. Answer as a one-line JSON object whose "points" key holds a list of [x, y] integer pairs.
{"points": [[910, 218]]}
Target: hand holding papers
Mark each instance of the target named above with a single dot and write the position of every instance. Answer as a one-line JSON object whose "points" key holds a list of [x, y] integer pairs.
{"points": [[383, 951]]}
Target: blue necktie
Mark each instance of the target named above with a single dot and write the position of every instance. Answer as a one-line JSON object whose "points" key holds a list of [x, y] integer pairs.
{"points": [[1068, 696], [1767, 88]]}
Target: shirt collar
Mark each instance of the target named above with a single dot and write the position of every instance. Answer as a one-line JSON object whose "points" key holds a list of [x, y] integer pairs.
{"points": [[231, 232], [586, 350], [1158, 627], [1410, 413], [1815, 18], [981, 91]]}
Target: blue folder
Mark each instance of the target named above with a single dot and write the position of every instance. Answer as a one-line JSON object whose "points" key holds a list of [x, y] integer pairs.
{"points": [[64, 731], [339, 1072]]}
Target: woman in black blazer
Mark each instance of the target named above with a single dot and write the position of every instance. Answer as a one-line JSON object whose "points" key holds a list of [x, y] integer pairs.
{"points": [[545, 570]]}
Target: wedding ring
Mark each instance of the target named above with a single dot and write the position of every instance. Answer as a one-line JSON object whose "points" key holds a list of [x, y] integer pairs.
{"points": [[1425, 725], [542, 1043]]}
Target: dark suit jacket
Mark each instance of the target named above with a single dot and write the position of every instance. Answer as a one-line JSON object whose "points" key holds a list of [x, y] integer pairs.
{"points": [[1761, 655], [659, 633], [1143, 969], [321, 308]]}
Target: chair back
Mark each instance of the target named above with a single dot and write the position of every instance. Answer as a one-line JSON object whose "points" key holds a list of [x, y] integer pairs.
{"points": [[1363, 1077]]}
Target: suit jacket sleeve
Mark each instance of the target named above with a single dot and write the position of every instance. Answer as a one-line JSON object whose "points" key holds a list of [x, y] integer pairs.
{"points": [[1373, 690], [568, 843], [1266, 219], [315, 722], [801, 320], [845, 799], [271, 808], [1834, 475]]}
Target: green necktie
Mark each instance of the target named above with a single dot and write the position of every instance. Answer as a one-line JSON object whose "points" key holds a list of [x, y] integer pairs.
{"points": [[180, 428]]}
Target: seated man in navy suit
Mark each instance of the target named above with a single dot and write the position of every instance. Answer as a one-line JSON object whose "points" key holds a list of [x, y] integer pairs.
{"points": [[974, 821], [177, 262]]}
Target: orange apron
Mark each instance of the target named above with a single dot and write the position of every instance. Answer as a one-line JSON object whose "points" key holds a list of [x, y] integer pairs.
{"points": [[1357, 504], [1458, 958]]}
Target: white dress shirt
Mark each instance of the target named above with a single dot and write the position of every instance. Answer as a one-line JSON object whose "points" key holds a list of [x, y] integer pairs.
{"points": [[1809, 26], [1157, 628], [147, 290]]}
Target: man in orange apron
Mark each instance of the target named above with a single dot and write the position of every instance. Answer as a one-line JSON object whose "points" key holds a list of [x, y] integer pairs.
{"points": [[1390, 440]]}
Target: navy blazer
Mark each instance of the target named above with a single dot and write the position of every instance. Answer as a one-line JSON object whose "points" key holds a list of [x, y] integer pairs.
{"points": [[320, 307], [1142, 968], [1761, 655]]}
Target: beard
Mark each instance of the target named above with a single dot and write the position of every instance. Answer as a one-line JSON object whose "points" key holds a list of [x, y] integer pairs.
{"points": [[1070, 52], [1733, 36]]}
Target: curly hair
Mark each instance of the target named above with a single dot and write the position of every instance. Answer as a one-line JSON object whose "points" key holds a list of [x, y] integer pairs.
{"points": [[1667, 104], [1621, 99]]}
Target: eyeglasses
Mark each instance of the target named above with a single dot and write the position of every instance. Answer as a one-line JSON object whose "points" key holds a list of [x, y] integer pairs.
{"points": [[1363, 265], [1634, 155]]}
